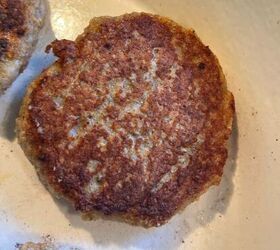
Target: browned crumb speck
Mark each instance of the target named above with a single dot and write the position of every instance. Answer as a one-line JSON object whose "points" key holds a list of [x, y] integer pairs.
{"points": [[131, 121]]}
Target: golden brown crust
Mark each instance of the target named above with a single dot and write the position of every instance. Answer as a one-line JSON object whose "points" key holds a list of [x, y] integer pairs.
{"points": [[13, 24], [20, 22], [12, 16], [132, 120]]}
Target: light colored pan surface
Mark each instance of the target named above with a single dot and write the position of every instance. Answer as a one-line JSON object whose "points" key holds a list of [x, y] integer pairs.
{"points": [[242, 213]]}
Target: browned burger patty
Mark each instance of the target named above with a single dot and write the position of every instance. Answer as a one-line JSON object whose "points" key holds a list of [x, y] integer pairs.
{"points": [[20, 23], [131, 121]]}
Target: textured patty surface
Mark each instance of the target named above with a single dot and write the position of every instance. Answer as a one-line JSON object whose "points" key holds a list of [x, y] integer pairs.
{"points": [[20, 22], [131, 121]]}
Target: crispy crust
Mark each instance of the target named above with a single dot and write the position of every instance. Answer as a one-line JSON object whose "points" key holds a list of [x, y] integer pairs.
{"points": [[20, 23], [131, 121]]}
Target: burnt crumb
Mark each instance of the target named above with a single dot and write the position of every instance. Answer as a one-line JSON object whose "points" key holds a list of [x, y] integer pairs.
{"points": [[276, 139], [3, 46], [107, 46], [254, 157], [201, 66], [3, 43], [183, 241], [42, 157], [18, 245]]}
